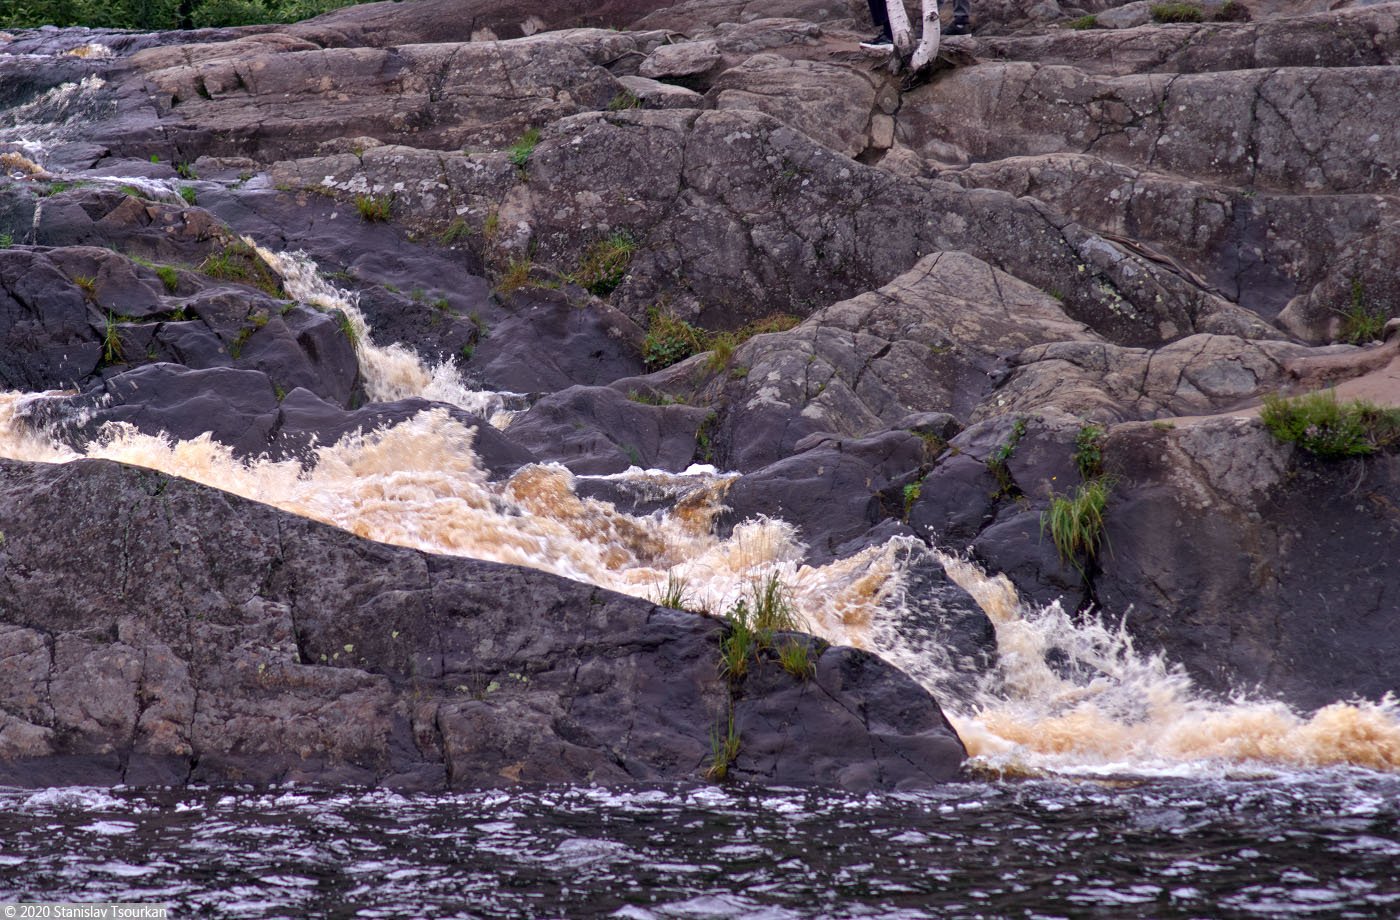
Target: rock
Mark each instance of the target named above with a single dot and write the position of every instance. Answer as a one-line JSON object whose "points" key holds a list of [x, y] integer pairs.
{"points": [[653, 94], [183, 635], [687, 59], [829, 103], [1251, 564], [600, 430]]}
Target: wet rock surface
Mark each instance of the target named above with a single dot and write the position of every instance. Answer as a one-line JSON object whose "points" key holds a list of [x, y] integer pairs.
{"points": [[183, 635], [1130, 234]]}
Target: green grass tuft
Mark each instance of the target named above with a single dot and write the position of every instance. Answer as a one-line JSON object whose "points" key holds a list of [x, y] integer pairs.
{"points": [[1177, 12], [605, 264], [515, 277], [1075, 521], [1088, 451], [796, 659], [911, 495], [374, 208], [455, 233], [88, 285], [1325, 427], [1360, 323], [6, 240], [188, 193], [347, 328], [669, 339], [998, 459], [521, 151], [724, 750], [623, 101], [240, 263], [111, 341], [169, 277], [1084, 22]]}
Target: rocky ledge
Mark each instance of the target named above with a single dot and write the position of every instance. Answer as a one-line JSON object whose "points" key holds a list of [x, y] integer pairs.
{"points": [[1077, 253]]}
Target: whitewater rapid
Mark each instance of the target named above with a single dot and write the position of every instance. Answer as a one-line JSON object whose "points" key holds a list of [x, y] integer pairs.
{"points": [[1104, 708]]}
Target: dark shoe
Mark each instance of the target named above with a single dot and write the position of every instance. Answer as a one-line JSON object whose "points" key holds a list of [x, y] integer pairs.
{"points": [[879, 43], [959, 27]]}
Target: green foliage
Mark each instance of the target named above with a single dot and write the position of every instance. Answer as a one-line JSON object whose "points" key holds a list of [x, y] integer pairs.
{"points": [[515, 277], [1075, 521], [491, 226], [623, 101], [911, 495], [88, 285], [455, 232], [521, 151], [374, 208], [1084, 22], [738, 645], [188, 193], [6, 240], [132, 191], [724, 750], [1321, 425], [705, 438], [150, 15], [240, 263], [796, 659], [998, 459], [111, 341], [185, 171], [235, 348], [605, 264], [1233, 11], [674, 594], [169, 277], [347, 328], [1177, 12], [1361, 324], [669, 339], [772, 609], [1088, 452], [721, 345]]}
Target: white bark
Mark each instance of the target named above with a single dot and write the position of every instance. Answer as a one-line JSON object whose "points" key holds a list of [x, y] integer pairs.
{"points": [[930, 40], [899, 25]]}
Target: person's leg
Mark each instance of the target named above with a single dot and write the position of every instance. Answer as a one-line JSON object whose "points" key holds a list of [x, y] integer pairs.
{"points": [[962, 18], [880, 14]]}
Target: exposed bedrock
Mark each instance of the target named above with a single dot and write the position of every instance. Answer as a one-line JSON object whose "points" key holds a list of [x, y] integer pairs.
{"points": [[179, 634]]}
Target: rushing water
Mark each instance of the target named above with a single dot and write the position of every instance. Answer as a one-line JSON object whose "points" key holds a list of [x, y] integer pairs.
{"points": [[1307, 845]]}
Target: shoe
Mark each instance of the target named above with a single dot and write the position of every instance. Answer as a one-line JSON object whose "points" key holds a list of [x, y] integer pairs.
{"points": [[959, 27], [879, 43]]}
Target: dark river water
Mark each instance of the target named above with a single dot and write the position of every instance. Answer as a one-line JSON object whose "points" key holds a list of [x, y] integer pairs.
{"points": [[1310, 845]]}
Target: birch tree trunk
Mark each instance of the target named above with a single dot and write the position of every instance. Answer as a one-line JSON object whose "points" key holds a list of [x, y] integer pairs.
{"points": [[931, 38], [899, 25]]}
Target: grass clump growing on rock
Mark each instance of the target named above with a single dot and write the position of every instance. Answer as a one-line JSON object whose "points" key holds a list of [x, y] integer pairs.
{"points": [[724, 750], [1325, 427], [240, 263], [998, 459], [1088, 452], [189, 195], [1075, 521], [669, 339], [1177, 12], [1360, 323], [520, 152], [374, 208], [111, 341], [1084, 23], [169, 277], [605, 264], [796, 659]]}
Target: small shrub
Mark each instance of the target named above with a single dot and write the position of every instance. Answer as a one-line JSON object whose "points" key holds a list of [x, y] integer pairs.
{"points": [[1177, 12], [911, 495], [188, 193], [796, 659], [185, 171], [669, 339], [6, 240], [623, 101], [169, 277], [521, 151], [724, 750], [1088, 452], [1321, 425], [374, 208], [605, 264], [1075, 521], [1361, 324], [1084, 23]]}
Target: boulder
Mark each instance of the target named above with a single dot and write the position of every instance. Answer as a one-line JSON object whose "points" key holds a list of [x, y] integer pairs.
{"points": [[181, 635]]}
